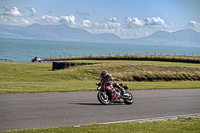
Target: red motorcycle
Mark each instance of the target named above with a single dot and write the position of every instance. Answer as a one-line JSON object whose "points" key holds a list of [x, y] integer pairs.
{"points": [[122, 96]]}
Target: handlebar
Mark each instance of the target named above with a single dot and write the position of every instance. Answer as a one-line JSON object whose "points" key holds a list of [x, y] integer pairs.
{"points": [[125, 87], [98, 84]]}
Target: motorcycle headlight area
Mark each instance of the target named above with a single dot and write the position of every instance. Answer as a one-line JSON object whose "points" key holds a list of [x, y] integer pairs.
{"points": [[99, 88]]}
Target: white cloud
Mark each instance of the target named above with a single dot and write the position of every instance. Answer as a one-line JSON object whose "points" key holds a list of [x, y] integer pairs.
{"points": [[128, 19], [98, 25], [11, 11], [113, 19], [32, 11], [92, 25], [46, 19], [67, 20], [109, 25], [49, 19], [137, 22], [192, 24], [154, 22], [148, 22], [86, 23]]}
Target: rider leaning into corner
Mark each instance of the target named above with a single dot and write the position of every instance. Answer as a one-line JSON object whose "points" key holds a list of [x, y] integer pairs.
{"points": [[107, 82]]}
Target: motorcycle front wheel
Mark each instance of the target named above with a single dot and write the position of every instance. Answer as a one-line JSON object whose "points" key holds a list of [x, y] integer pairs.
{"points": [[103, 98], [129, 98]]}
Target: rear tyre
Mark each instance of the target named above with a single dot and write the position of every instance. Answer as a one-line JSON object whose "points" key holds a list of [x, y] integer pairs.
{"points": [[129, 98], [103, 98]]}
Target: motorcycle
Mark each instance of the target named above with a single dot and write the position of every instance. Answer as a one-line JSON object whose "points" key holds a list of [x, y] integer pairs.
{"points": [[123, 96]]}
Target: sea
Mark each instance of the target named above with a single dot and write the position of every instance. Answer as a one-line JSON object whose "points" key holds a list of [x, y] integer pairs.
{"points": [[26, 50]]}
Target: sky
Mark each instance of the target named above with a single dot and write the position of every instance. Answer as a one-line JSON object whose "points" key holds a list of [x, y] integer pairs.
{"points": [[125, 18]]}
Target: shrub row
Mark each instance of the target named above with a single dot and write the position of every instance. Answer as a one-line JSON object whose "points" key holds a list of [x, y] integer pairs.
{"points": [[63, 65], [162, 78], [169, 58]]}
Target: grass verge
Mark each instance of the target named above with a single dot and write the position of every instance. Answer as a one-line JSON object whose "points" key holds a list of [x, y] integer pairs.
{"points": [[189, 125], [71, 86]]}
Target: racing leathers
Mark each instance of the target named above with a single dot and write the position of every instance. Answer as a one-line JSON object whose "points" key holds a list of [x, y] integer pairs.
{"points": [[108, 83]]}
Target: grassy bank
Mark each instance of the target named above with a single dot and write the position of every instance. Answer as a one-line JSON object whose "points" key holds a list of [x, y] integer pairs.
{"points": [[25, 77], [189, 125]]}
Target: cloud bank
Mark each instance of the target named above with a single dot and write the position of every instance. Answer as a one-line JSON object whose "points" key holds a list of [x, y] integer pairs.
{"points": [[11, 11], [155, 22], [127, 27], [46, 19]]}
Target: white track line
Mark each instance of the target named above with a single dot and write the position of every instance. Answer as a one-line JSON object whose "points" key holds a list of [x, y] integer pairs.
{"points": [[152, 119]]}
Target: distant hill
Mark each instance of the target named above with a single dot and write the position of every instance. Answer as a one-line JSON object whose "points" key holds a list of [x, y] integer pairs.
{"points": [[66, 33], [179, 38], [54, 32]]}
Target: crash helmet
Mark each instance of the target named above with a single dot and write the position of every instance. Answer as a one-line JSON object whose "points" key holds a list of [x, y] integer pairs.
{"points": [[103, 73]]}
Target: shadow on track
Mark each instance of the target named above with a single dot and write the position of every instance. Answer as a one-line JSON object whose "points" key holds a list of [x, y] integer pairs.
{"points": [[88, 103], [97, 104]]}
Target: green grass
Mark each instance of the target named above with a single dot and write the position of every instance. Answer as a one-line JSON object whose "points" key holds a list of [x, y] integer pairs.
{"points": [[26, 77], [181, 125]]}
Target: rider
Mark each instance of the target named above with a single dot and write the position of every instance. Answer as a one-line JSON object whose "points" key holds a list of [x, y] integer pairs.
{"points": [[107, 82]]}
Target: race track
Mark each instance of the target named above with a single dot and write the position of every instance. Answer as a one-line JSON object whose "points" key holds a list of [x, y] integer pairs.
{"points": [[44, 110]]}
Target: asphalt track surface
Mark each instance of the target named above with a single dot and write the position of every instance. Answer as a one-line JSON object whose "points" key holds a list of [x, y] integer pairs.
{"points": [[45, 110]]}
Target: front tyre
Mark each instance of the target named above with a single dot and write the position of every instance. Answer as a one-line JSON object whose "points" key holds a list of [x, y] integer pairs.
{"points": [[128, 99], [103, 98]]}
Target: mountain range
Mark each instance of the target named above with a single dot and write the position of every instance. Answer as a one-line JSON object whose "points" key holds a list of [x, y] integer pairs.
{"points": [[65, 33]]}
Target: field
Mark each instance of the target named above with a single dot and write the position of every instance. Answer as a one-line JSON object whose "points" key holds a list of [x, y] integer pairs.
{"points": [[26, 77]]}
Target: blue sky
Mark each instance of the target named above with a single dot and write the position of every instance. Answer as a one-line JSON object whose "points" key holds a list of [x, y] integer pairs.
{"points": [[125, 18]]}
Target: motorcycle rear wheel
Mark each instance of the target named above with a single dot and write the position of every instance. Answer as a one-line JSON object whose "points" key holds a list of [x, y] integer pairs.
{"points": [[103, 98], [129, 98]]}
